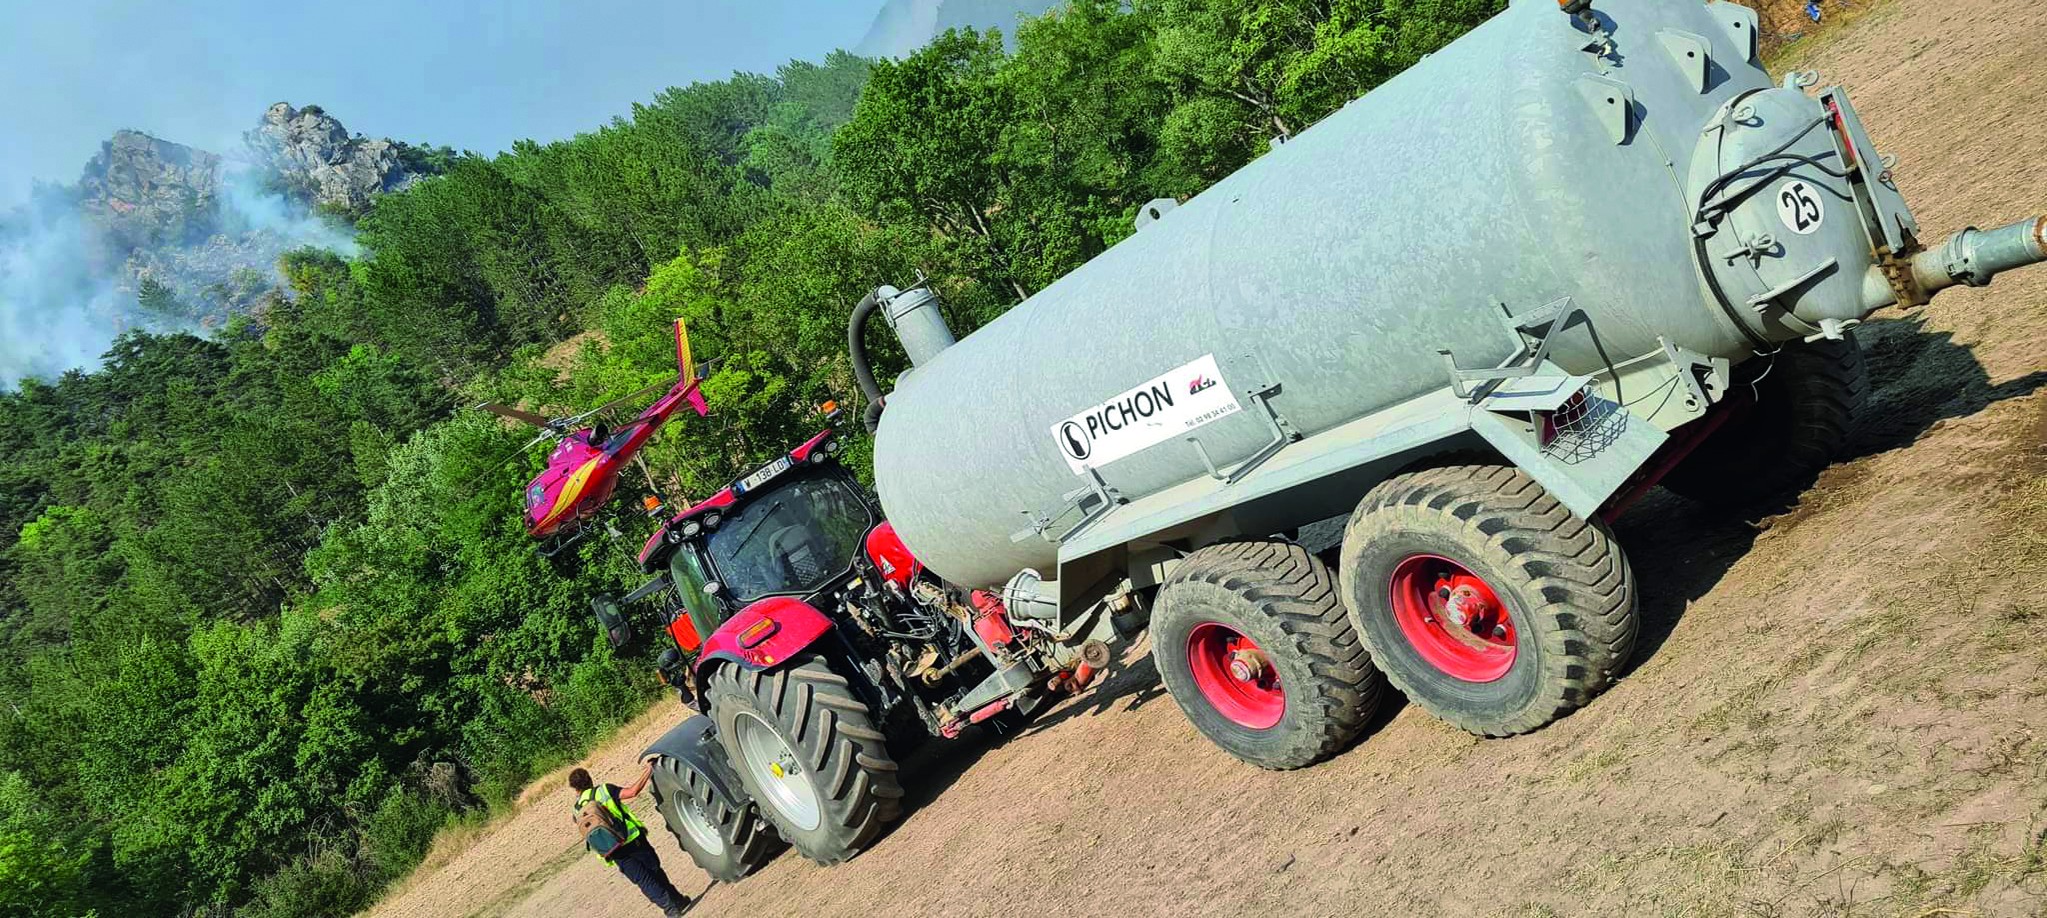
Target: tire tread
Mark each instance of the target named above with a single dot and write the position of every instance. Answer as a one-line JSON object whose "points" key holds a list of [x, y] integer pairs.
{"points": [[1574, 566], [1300, 595], [835, 735]]}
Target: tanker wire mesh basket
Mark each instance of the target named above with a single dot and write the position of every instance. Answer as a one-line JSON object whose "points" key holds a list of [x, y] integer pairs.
{"points": [[1581, 427]]}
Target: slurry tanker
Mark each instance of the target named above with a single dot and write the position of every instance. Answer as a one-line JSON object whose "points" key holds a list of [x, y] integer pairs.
{"points": [[1586, 249]]}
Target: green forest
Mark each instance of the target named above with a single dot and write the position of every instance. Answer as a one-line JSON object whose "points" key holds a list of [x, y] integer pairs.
{"points": [[269, 617]]}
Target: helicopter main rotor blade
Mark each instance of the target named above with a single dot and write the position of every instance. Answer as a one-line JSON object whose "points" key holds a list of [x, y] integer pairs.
{"points": [[607, 406], [545, 436], [516, 414]]}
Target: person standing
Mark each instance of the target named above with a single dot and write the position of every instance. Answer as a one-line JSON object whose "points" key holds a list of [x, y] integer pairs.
{"points": [[636, 858]]}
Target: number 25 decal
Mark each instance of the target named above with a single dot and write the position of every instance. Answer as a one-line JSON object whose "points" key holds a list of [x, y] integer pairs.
{"points": [[1801, 209]]}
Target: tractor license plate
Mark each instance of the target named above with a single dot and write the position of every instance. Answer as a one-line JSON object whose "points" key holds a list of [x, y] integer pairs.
{"points": [[762, 477]]}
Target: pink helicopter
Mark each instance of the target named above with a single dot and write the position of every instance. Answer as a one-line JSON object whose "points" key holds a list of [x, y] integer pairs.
{"points": [[583, 470]]}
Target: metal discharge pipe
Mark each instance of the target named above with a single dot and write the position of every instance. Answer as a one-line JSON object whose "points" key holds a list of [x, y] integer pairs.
{"points": [[1971, 258], [1974, 256]]}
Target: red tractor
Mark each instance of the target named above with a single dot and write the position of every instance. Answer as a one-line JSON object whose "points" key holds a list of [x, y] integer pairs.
{"points": [[816, 644]]}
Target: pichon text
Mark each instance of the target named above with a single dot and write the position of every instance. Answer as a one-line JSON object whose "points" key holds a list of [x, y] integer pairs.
{"points": [[1140, 405]]}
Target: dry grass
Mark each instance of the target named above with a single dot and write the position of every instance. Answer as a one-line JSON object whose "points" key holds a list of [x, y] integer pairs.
{"points": [[451, 842], [562, 357], [458, 837], [1785, 50]]}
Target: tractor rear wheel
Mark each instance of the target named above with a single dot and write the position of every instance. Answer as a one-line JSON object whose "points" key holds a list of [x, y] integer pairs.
{"points": [[809, 753], [1804, 410], [727, 841], [1484, 600], [1252, 642]]}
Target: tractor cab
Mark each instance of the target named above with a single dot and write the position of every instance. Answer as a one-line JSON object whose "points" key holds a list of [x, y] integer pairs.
{"points": [[792, 528]]}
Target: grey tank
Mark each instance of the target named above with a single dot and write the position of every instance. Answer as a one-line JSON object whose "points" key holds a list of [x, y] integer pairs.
{"points": [[1492, 175]]}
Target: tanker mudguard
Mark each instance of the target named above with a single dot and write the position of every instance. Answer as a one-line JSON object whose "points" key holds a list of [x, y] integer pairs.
{"points": [[694, 743], [764, 634]]}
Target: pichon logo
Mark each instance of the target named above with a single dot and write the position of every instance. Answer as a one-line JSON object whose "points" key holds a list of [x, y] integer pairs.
{"points": [[1147, 414], [1078, 436], [1073, 438]]}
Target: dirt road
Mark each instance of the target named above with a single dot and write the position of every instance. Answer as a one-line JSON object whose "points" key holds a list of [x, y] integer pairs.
{"points": [[1838, 713]]}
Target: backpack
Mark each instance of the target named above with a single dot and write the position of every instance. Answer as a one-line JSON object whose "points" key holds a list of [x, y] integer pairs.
{"points": [[603, 832]]}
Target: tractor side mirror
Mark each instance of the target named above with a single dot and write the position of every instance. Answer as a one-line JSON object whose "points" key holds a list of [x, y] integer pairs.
{"points": [[618, 631]]}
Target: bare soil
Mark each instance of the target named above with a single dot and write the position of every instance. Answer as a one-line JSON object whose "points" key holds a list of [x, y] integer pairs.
{"points": [[1837, 711]]}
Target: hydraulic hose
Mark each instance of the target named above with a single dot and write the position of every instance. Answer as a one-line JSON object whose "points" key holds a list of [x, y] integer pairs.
{"points": [[863, 371]]}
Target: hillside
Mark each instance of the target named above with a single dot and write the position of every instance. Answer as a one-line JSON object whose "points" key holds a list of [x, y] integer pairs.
{"points": [[269, 621], [903, 26], [160, 235]]}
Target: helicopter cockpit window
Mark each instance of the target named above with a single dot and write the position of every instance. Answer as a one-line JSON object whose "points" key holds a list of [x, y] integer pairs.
{"points": [[791, 541]]}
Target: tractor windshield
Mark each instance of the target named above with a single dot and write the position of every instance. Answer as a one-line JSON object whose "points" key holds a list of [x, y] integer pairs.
{"points": [[794, 540]]}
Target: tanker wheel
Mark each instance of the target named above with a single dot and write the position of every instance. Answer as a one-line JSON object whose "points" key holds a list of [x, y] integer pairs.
{"points": [[727, 841], [1252, 642], [1804, 410], [809, 754], [1484, 600]]}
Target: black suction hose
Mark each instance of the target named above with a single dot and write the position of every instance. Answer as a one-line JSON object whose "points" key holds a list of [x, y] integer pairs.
{"points": [[863, 373]]}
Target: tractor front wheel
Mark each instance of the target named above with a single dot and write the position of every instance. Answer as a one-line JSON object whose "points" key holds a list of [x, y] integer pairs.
{"points": [[809, 754], [728, 841]]}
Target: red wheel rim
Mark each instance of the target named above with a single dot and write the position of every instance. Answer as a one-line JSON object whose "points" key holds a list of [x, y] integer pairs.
{"points": [[1453, 619], [1235, 675]]}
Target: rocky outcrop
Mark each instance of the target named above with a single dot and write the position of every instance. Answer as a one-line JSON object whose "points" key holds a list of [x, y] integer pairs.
{"points": [[209, 229], [322, 164], [144, 191], [160, 235]]}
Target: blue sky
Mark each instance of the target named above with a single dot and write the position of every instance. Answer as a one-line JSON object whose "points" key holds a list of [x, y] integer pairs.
{"points": [[467, 74]]}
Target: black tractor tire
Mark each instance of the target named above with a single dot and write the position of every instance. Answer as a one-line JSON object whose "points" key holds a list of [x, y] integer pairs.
{"points": [[1314, 687], [1563, 580], [728, 841], [831, 739], [1804, 411]]}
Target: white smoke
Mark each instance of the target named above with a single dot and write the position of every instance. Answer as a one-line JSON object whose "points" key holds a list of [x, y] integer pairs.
{"points": [[64, 295], [250, 207], [58, 309]]}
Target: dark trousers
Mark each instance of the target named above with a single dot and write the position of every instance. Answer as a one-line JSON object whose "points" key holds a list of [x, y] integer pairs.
{"points": [[640, 864]]}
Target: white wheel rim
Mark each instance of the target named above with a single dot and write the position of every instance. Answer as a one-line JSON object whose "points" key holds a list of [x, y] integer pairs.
{"points": [[696, 822], [782, 777]]}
